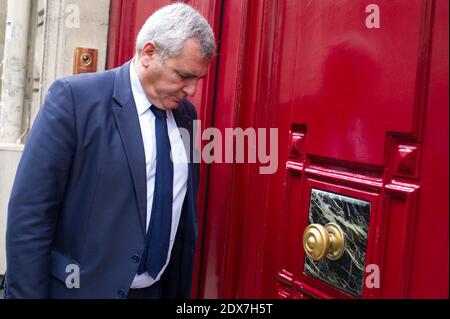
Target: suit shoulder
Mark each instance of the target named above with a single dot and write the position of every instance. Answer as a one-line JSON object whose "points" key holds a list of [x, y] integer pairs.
{"points": [[89, 81]]}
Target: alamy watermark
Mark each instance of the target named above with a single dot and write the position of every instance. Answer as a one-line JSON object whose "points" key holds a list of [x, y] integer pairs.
{"points": [[235, 145], [373, 19], [73, 277], [373, 276], [73, 16], [372, 279]]}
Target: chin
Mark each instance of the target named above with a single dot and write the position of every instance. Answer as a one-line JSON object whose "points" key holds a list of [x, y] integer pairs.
{"points": [[173, 104]]}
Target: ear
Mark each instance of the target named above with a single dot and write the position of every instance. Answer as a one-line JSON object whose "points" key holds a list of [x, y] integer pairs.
{"points": [[148, 53]]}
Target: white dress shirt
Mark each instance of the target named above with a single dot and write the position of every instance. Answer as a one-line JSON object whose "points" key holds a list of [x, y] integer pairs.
{"points": [[180, 167]]}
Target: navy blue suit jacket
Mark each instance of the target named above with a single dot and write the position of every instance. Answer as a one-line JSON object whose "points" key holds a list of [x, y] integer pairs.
{"points": [[80, 196]]}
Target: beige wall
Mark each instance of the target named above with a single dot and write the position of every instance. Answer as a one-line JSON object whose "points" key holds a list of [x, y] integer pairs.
{"points": [[62, 34], [9, 159], [2, 31], [6, 157]]}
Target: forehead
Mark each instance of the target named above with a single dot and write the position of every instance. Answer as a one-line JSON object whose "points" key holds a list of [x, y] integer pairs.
{"points": [[190, 59]]}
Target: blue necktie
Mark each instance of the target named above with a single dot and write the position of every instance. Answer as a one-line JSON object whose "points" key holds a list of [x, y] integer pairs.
{"points": [[158, 233]]}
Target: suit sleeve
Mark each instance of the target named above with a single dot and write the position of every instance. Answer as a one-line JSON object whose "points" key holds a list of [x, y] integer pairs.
{"points": [[38, 193]]}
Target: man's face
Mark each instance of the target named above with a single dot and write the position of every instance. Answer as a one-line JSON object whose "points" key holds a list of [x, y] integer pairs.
{"points": [[167, 83]]}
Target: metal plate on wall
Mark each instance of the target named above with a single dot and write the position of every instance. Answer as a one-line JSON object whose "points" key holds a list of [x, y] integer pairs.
{"points": [[352, 215]]}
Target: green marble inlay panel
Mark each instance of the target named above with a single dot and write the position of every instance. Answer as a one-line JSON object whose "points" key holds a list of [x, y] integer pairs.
{"points": [[352, 215]]}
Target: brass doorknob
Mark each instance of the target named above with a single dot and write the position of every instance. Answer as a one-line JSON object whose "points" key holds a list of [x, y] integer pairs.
{"points": [[320, 242]]}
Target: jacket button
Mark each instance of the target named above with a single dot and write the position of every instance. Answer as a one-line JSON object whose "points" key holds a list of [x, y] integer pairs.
{"points": [[121, 293], [136, 258]]}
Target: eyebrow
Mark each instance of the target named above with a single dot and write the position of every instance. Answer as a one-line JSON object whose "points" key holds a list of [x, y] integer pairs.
{"points": [[189, 75]]}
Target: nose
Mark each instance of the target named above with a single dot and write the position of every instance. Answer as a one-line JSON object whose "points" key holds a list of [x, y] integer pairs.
{"points": [[191, 87]]}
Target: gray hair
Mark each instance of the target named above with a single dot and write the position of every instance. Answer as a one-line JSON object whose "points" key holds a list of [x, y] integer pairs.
{"points": [[171, 25]]}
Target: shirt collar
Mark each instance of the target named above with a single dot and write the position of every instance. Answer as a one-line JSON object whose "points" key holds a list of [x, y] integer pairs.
{"points": [[141, 100]]}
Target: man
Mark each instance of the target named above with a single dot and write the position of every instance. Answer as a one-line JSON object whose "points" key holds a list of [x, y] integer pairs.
{"points": [[98, 208]]}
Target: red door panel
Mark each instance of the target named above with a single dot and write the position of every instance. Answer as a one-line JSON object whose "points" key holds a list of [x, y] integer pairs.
{"points": [[354, 84], [431, 236], [357, 120], [350, 104]]}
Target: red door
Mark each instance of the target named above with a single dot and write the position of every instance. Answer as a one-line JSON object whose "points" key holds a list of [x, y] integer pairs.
{"points": [[359, 95]]}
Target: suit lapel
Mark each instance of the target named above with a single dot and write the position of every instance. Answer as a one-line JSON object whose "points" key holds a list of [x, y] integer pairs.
{"points": [[127, 121], [183, 120]]}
